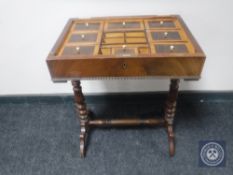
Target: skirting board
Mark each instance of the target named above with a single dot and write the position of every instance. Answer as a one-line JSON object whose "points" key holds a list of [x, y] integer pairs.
{"points": [[191, 96]]}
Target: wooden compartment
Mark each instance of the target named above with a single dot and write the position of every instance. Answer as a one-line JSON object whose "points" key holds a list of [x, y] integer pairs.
{"points": [[105, 51], [124, 25], [171, 48], [161, 23], [114, 35], [125, 52], [165, 35], [143, 50], [83, 37], [135, 40], [113, 41], [140, 34], [88, 25], [78, 50]]}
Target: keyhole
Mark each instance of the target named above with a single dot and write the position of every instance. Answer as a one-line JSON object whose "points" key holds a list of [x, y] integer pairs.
{"points": [[124, 65]]}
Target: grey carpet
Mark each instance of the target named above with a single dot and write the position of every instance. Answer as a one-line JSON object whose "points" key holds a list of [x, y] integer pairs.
{"points": [[43, 138]]}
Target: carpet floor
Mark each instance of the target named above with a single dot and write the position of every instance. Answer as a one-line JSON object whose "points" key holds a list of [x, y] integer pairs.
{"points": [[42, 137]]}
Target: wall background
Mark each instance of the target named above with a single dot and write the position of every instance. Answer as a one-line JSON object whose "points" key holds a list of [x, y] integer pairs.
{"points": [[28, 30]]}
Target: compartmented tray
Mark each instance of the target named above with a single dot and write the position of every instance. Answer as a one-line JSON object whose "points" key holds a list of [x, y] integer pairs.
{"points": [[160, 46]]}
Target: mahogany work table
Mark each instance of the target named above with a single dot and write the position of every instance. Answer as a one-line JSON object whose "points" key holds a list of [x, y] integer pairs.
{"points": [[126, 47]]}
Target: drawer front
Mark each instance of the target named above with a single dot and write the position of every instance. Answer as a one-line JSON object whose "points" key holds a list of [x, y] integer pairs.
{"points": [[167, 67], [113, 41], [78, 50], [168, 48], [136, 40], [124, 50], [135, 37], [165, 35], [135, 34], [114, 35], [124, 25], [161, 24], [85, 37], [87, 26]]}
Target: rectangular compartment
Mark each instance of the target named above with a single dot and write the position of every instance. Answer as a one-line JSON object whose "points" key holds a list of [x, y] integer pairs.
{"points": [[85, 26], [135, 40], [83, 37], [124, 50], [114, 35], [113, 41], [105, 51], [143, 50], [124, 25], [165, 35], [135, 34], [78, 50], [171, 48], [161, 24]]}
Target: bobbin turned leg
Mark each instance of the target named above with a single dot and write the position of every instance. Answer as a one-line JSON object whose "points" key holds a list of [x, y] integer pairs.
{"points": [[80, 107], [170, 109]]}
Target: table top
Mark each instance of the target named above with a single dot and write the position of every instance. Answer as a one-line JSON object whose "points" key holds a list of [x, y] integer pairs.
{"points": [[126, 47]]}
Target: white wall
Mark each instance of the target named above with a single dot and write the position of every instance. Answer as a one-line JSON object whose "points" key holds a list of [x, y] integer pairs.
{"points": [[29, 28]]}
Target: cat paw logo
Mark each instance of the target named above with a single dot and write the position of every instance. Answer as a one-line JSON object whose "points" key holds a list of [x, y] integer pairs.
{"points": [[212, 153]]}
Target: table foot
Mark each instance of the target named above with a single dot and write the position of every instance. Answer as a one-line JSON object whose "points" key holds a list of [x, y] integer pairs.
{"points": [[171, 140], [82, 144]]}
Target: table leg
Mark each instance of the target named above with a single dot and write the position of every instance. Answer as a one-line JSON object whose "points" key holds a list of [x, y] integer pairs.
{"points": [[170, 109], [80, 107]]}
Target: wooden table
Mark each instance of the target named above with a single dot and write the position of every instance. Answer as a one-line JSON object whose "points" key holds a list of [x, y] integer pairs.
{"points": [[126, 47]]}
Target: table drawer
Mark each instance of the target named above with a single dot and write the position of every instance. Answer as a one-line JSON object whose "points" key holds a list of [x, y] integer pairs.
{"points": [[126, 67]]}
